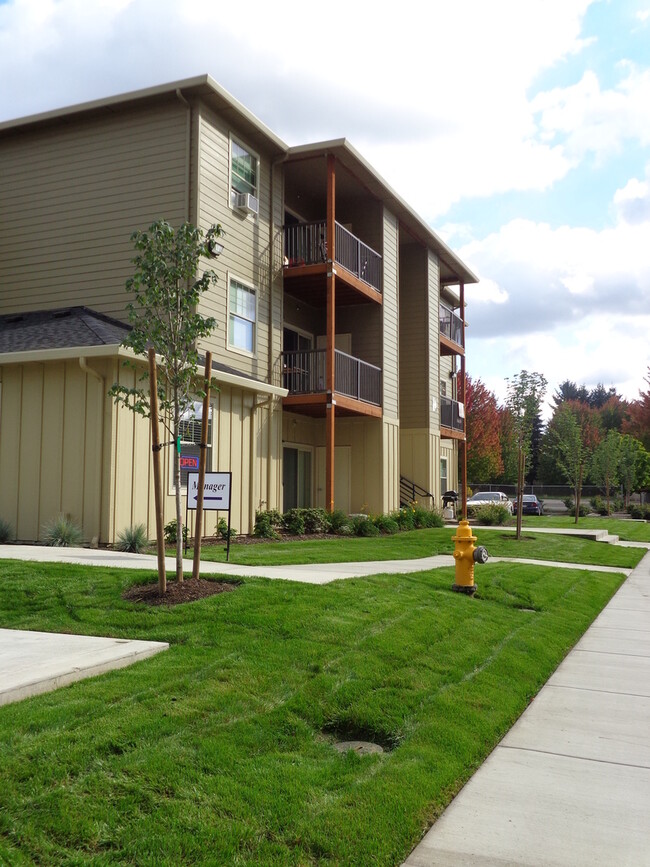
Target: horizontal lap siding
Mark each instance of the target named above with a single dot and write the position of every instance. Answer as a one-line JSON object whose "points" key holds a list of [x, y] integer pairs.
{"points": [[390, 364], [434, 338], [247, 246], [72, 195]]}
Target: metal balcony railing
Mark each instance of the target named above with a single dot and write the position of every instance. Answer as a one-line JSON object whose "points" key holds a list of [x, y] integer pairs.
{"points": [[451, 325], [304, 372], [306, 244], [452, 414]]}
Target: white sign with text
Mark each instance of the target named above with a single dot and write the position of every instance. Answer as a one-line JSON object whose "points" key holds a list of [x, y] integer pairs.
{"points": [[216, 491]]}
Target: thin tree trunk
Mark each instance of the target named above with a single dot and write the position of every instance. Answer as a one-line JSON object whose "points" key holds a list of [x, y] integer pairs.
{"points": [[179, 511], [520, 483], [578, 493], [157, 485]]}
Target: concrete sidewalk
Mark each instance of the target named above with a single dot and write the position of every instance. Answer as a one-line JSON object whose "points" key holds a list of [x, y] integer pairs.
{"points": [[308, 573], [569, 785]]}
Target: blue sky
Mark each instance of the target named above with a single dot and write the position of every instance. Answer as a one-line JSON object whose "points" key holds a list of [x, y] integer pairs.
{"points": [[519, 130]]}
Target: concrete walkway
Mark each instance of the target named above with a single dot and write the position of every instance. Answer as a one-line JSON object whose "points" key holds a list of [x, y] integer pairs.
{"points": [[308, 573], [569, 785]]}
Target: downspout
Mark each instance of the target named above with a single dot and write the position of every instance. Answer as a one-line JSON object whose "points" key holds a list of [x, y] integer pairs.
{"points": [[269, 462], [83, 364]]}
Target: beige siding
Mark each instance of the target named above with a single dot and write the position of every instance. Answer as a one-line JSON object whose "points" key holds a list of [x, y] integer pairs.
{"points": [[433, 309], [73, 194], [390, 363], [51, 427], [414, 399], [249, 242], [391, 464]]}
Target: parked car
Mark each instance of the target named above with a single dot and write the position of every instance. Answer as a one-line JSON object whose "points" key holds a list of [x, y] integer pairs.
{"points": [[530, 505], [486, 498]]}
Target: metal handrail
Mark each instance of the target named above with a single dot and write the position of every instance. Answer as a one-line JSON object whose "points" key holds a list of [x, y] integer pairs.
{"points": [[408, 491], [304, 372], [450, 415], [451, 325]]}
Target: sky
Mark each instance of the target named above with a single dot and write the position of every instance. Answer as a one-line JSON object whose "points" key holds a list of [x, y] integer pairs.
{"points": [[518, 129]]}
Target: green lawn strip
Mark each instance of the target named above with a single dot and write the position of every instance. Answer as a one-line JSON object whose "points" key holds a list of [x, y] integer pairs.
{"points": [[424, 543], [219, 750], [627, 530]]}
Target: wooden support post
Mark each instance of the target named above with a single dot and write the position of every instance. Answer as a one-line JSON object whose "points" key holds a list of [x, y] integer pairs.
{"points": [[157, 485], [331, 336], [461, 399], [198, 518]]}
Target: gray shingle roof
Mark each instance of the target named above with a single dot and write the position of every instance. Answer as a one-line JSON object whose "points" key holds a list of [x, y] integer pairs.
{"points": [[59, 329]]}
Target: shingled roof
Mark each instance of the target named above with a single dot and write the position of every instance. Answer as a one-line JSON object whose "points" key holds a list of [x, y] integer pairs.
{"points": [[59, 329]]}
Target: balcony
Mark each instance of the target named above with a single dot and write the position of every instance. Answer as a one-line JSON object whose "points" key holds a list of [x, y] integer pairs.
{"points": [[452, 419], [357, 383], [305, 251], [451, 332]]}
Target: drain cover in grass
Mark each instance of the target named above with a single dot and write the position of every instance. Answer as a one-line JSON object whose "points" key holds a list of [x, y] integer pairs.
{"points": [[362, 748]]}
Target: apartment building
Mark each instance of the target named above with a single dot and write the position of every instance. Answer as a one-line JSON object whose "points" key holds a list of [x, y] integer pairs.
{"points": [[340, 316]]}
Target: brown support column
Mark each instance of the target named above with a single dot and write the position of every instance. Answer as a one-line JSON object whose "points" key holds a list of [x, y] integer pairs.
{"points": [[461, 399], [331, 341]]}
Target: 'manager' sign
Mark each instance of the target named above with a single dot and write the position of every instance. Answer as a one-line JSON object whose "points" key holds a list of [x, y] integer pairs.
{"points": [[216, 491]]}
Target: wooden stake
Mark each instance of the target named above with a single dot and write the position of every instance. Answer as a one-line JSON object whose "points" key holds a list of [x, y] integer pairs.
{"points": [[198, 518], [155, 457]]}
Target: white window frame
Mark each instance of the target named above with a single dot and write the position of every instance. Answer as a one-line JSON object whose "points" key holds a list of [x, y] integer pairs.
{"points": [[233, 347], [301, 447], [250, 152], [172, 450], [446, 462]]}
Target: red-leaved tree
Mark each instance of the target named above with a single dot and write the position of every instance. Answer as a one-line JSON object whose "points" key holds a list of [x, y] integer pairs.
{"points": [[483, 444], [638, 421]]}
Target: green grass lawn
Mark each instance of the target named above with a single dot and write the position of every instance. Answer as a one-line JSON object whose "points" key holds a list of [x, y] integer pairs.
{"points": [[423, 543], [219, 750], [629, 531]]}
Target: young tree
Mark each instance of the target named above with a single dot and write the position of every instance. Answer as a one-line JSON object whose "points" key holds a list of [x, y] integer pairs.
{"points": [[483, 446], [163, 315], [638, 423], [574, 434], [525, 394], [634, 467], [605, 463]]}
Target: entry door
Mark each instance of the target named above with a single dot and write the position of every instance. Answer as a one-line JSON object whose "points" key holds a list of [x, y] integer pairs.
{"points": [[342, 478], [296, 478]]}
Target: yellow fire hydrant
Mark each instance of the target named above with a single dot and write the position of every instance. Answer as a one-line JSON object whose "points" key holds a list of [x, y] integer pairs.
{"points": [[465, 555]]}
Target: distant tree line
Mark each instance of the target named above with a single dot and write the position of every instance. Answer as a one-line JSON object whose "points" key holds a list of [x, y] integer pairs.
{"points": [[593, 436]]}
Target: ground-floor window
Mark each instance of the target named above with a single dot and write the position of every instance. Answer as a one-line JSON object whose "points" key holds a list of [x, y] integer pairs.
{"points": [[190, 431], [444, 475], [296, 477]]}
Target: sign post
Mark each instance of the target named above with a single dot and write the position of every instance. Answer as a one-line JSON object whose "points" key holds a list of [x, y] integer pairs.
{"points": [[216, 496]]}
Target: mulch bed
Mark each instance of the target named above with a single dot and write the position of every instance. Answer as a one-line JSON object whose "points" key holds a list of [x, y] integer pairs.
{"points": [[189, 590]]}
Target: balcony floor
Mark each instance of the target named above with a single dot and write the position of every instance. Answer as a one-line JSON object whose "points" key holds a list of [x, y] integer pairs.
{"points": [[309, 282], [315, 405]]}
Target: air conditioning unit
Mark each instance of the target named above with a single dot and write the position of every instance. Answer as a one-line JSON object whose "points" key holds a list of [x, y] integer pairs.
{"points": [[245, 202]]}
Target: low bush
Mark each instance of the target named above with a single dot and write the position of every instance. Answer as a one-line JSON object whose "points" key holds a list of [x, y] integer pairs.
{"points": [[363, 526], [6, 531], [62, 532], [405, 518], [344, 529], [316, 520], [267, 524], [386, 525], [492, 514], [222, 529], [171, 531], [132, 539], [639, 511], [423, 518], [293, 522], [571, 508], [338, 519]]}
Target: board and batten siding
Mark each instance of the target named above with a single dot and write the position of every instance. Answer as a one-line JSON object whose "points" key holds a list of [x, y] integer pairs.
{"points": [[72, 194], [249, 243], [390, 362], [413, 338], [53, 447]]}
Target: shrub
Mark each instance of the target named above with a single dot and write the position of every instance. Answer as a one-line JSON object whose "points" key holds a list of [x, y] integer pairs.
{"points": [[427, 517], [345, 529], [492, 514], [316, 520], [571, 508], [222, 529], [363, 526], [133, 539], [266, 524], [170, 533], [639, 511], [293, 522], [385, 524], [598, 504], [6, 531], [62, 532], [405, 518], [338, 519]]}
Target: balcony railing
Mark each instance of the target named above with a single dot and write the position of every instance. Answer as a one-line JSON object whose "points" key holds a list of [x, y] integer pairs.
{"points": [[306, 244], [452, 414], [304, 372], [451, 325]]}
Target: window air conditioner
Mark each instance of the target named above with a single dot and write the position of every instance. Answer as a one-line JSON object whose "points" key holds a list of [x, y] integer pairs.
{"points": [[246, 202]]}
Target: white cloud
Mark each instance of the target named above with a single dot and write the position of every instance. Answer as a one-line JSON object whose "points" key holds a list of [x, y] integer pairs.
{"points": [[632, 202]]}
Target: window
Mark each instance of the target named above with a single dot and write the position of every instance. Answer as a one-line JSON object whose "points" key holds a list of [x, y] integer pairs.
{"points": [[443, 389], [190, 431], [243, 170], [296, 477], [444, 478], [242, 315]]}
